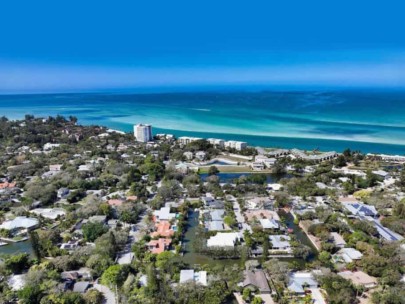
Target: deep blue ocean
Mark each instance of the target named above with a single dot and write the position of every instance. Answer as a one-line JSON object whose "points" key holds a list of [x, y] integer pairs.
{"points": [[370, 121]]}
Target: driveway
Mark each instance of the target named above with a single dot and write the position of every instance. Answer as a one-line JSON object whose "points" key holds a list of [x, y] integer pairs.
{"points": [[109, 296]]}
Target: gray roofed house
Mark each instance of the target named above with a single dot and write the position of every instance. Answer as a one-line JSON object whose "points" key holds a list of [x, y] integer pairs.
{"points": [[299, 280], [281, 242], [360, 209], [81, 287], [256, 279]]}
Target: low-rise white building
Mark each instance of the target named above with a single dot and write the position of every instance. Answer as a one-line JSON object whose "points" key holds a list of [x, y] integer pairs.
{"points": [[189, 275], [20, 222], [222, 239]]}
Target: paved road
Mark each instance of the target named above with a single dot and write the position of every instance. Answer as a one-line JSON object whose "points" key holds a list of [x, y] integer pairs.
{"points": [[239, 216]]}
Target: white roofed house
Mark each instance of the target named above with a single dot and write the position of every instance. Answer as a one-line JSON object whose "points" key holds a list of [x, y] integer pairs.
{"points": [[188, 155], [338, 240], [222, 239], [347, 255], [269, 223], [258, 203], [189, 275], [280, 242], [200, 155], [163, 214], [20, 222], [50, 213]]}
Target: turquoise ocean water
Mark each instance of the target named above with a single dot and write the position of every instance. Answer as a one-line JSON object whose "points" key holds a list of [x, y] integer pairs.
{"points": [[370, 121]]}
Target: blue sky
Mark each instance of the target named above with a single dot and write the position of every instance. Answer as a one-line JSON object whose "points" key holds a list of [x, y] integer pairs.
{"points": [[88, 45]]}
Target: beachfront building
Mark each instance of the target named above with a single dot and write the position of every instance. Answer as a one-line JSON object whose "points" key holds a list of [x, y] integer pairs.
{"points": [[143, 133], [238, 145], [189, 275], [185, 140], [216, 142]]}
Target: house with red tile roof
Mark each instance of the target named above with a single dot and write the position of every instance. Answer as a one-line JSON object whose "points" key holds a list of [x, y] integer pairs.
{"points": [[160, 245], [163, 229], [115, 202], [7, 185]]}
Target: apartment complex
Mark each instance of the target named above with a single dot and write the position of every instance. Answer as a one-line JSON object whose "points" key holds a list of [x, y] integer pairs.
{"points": [[143, 133]]}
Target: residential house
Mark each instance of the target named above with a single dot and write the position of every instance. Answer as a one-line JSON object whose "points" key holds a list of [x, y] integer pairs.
{"points": [[160, 245], [20, 222], [163, 229], [222, 239], [298, 281], [280, 242], [347, 255], [189, 275], [256, 279], [163, 214], [359, 278], [338, 240]]}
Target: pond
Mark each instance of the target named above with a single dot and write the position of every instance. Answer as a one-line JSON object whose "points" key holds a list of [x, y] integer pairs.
{"points": [[229, 177], [15, 248]]}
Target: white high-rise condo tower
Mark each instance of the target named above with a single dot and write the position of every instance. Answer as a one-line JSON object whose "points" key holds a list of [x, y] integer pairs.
{"points": [[143, 133]]}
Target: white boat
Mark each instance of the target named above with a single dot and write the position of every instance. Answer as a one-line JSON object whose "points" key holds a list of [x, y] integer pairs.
{"points": [[3, 243]]}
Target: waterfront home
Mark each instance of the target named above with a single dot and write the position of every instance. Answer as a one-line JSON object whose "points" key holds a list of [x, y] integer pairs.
{"points": [[222, 239], [347, 255], [359, 278], [280, 242], [211, 202], [257, 166], [214, 220], [20, 222], [189, 275], [256, 280], [160, 245], [163, 229], [163, 214], [269, 224]]}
